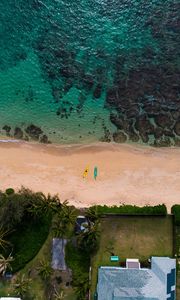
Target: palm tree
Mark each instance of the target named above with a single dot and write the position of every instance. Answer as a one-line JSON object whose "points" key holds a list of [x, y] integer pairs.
{"points": [[93, 214], [44, 269], [45, 205], [3, 234], [88, 239], [59, 228], [41, 206], [81, 287], [67, 213], [59, 296], [22, 285], [5, 264], [54, 203]]}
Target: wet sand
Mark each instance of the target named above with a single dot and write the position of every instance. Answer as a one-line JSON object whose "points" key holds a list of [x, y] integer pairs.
{"points": [[127, 174]]}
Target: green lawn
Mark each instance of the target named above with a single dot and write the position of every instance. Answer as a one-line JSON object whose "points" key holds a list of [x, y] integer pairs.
{"points": [[132, 237]]}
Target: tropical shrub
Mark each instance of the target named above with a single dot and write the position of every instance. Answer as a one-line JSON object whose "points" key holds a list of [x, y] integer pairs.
{"points": [[9, 191], [79, 262], [131, 210], [176, 212], [25, 220]]}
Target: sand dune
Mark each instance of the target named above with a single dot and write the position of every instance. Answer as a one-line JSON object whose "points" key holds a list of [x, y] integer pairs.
{"points": [[126, 174]]}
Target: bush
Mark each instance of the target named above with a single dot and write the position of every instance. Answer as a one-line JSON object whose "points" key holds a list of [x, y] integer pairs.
{"points": [[132, 210], [27, 240], [79, 262], [9, 191], [175, 210]]}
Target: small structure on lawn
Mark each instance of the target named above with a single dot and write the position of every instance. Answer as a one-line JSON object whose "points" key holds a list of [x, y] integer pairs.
{"points": [[132, 263], [114, 258], [58, 254]]}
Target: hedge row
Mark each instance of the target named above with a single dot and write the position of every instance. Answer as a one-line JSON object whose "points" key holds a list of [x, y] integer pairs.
{"points": [[175, 210], [132, 210]]}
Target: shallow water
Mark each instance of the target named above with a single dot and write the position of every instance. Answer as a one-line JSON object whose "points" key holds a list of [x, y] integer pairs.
{"points": [[67, 66]]}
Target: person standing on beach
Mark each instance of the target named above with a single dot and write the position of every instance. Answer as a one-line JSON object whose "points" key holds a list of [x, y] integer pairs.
{"points": [[95, 172]]}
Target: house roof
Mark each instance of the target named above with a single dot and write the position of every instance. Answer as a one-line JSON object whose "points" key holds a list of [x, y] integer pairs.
{"points": [[116, 283], [58, 254], [164, 263]]}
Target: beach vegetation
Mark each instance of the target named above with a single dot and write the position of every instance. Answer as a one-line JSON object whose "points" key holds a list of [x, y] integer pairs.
{"points": [[99, 210], [9, 191], [176, 212], [67, 214], [93, 213]]}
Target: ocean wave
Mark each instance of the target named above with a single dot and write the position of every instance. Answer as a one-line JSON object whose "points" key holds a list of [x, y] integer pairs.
{"points": [[10, 141]]}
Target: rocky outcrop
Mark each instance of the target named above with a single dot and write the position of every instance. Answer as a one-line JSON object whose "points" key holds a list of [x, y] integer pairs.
{"points": [[142, 123], [163, 142], [7, 128], [44, 139], [119, 137], [149, 97], [117, 121], [177, 128], [34, 131], [18, 133], [97, 91], [164, 120]]}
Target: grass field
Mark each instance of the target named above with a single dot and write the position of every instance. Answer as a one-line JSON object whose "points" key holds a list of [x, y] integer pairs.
{"points": [[132, 237]]}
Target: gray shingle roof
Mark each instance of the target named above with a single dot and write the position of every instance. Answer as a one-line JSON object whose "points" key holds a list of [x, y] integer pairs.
{"points": [[115, 283], [58, 254]]}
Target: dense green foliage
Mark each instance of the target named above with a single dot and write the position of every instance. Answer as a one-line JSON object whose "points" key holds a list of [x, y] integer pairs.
{"points": [[175, 209], [88, 240], [26, 216], [9, 191], [79, 262], [27, 240], [22, 287], [176, 212], [131, 210], [45, 269]]}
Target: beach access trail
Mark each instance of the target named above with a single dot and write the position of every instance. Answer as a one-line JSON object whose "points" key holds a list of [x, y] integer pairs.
{"points": [[130, 174]]}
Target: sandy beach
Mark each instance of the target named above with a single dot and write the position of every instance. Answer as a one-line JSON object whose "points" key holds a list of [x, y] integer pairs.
{"points": [[126, 174]]}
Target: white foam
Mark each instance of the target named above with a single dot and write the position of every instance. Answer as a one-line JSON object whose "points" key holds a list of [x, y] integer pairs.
{"points": [[10, 141]]}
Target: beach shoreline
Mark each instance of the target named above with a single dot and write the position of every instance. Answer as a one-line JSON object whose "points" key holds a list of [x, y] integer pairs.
{"points": [[127, 174]]}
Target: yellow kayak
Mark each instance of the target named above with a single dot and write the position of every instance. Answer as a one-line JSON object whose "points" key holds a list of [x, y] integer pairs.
{"points": [[86, 172]]}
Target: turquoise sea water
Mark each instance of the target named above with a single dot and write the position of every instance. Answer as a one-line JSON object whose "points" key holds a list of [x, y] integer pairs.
{"points": [[81, 70]]}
